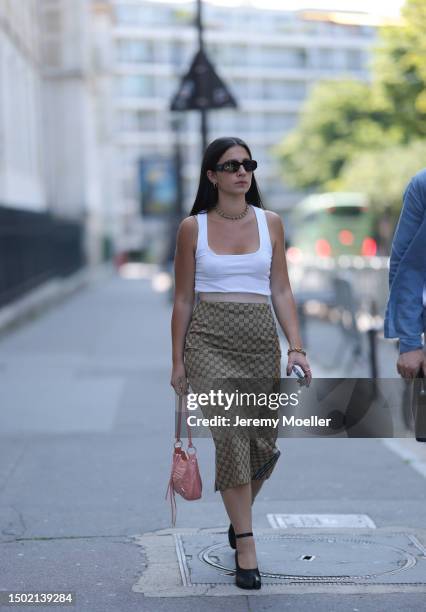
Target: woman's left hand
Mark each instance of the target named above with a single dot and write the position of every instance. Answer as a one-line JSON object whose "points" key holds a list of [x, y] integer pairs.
{"points": [[299, 359]]}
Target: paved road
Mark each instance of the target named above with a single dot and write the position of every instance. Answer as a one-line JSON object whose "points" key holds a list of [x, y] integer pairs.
{"points": [[85, 443]]}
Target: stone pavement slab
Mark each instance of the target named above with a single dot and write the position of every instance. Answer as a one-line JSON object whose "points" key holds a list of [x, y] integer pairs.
{"points": [[195, 562]]}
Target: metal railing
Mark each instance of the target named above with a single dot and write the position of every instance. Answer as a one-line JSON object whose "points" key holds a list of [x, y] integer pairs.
{"points": [[351, 292], [35, 247]]}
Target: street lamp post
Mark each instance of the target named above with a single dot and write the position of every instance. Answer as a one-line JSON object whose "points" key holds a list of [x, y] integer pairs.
{"points": [[201, 88], [177, 212], [203, 110]]}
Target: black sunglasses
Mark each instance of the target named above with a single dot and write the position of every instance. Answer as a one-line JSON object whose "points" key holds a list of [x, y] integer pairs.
{"points": [[233, 165]]}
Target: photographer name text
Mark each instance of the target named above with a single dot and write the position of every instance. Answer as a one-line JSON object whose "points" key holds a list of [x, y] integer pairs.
{"points": [[292, 421]]}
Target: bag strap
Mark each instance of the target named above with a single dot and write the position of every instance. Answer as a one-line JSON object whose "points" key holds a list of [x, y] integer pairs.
{"points": [[171, 492], [179, 422], [183, 403]]}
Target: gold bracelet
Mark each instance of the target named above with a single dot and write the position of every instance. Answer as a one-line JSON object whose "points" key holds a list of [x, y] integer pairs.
{"points": [[297, 349]]}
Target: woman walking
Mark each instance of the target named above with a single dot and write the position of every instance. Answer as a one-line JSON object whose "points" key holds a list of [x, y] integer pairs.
{"points": [[230, 251]]}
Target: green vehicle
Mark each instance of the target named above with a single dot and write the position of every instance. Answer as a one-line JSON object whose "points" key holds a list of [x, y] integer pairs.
{"points": [[333, 224]]}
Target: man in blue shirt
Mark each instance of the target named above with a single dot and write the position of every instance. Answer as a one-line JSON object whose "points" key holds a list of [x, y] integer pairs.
{"points": [[406, 309]]}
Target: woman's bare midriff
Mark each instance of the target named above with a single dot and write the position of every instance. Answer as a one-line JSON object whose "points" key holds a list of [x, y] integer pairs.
{"points": [[232, 296]]}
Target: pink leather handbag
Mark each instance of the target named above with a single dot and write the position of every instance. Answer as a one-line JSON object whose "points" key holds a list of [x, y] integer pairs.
{"points": [[185, 476]]}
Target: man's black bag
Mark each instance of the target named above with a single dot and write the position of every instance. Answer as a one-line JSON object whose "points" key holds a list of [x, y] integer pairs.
{"points": [[418, 406]]}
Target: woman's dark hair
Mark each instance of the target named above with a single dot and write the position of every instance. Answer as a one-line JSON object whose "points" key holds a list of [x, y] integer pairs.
{"points": [[206, 197]]}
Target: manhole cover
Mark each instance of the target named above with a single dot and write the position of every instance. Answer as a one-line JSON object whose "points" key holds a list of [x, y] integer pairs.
{"points": [[322, 558]]}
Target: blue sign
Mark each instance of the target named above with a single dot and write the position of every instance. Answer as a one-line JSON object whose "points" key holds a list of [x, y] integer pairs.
{"points": [[158, 186]]}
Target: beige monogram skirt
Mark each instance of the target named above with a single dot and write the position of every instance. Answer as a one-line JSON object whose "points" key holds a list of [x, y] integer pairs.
{"points": [[238, 341]]}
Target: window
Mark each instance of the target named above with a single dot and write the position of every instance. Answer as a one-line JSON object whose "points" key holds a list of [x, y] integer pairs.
{"points": [[354, 59], [227, 55], [135, 51], [128, 121], [280, 122], [325, 58], [281, 57], [239, 88], [230, 120], [183, 16], [178, 53], [137, 121], [135, 85], [128, 15], [166, 87], [287, 90], [145, 15]]}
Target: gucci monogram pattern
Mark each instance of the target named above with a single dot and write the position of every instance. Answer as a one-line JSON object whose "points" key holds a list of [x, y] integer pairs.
{"points": [[236, 340]]}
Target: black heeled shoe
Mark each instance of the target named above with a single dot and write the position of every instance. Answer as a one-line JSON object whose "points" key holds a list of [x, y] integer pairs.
{"points": [[246, 578], [231, 537]]}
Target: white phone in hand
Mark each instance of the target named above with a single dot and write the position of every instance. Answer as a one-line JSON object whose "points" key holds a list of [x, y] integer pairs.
{"points": [[301, 377], [297, 370]]}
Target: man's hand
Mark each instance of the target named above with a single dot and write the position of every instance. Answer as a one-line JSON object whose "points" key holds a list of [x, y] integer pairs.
{"points": [[409, 364]]}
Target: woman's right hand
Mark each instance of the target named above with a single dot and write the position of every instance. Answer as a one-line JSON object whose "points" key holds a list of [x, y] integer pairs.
{"points": [[178, 380]]}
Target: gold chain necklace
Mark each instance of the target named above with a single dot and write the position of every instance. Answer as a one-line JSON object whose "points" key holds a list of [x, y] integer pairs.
{"points": [[225, 216]]}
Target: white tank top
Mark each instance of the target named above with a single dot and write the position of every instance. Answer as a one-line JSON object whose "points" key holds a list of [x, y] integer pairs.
{"points": [[249, 272]]}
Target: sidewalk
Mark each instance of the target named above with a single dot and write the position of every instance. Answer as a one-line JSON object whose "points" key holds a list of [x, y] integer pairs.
{"points": [[49, 294], [85, 448]]}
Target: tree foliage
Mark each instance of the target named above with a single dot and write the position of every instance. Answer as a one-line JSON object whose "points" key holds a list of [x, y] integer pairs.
{"points": [[383, 174], [400, 69], [365, 136], [338, 119]]}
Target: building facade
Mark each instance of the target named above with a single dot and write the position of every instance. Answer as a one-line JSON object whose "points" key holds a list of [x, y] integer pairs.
{"points": [[21, 168], [55, 140], [269, 59], [79, 168]]}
